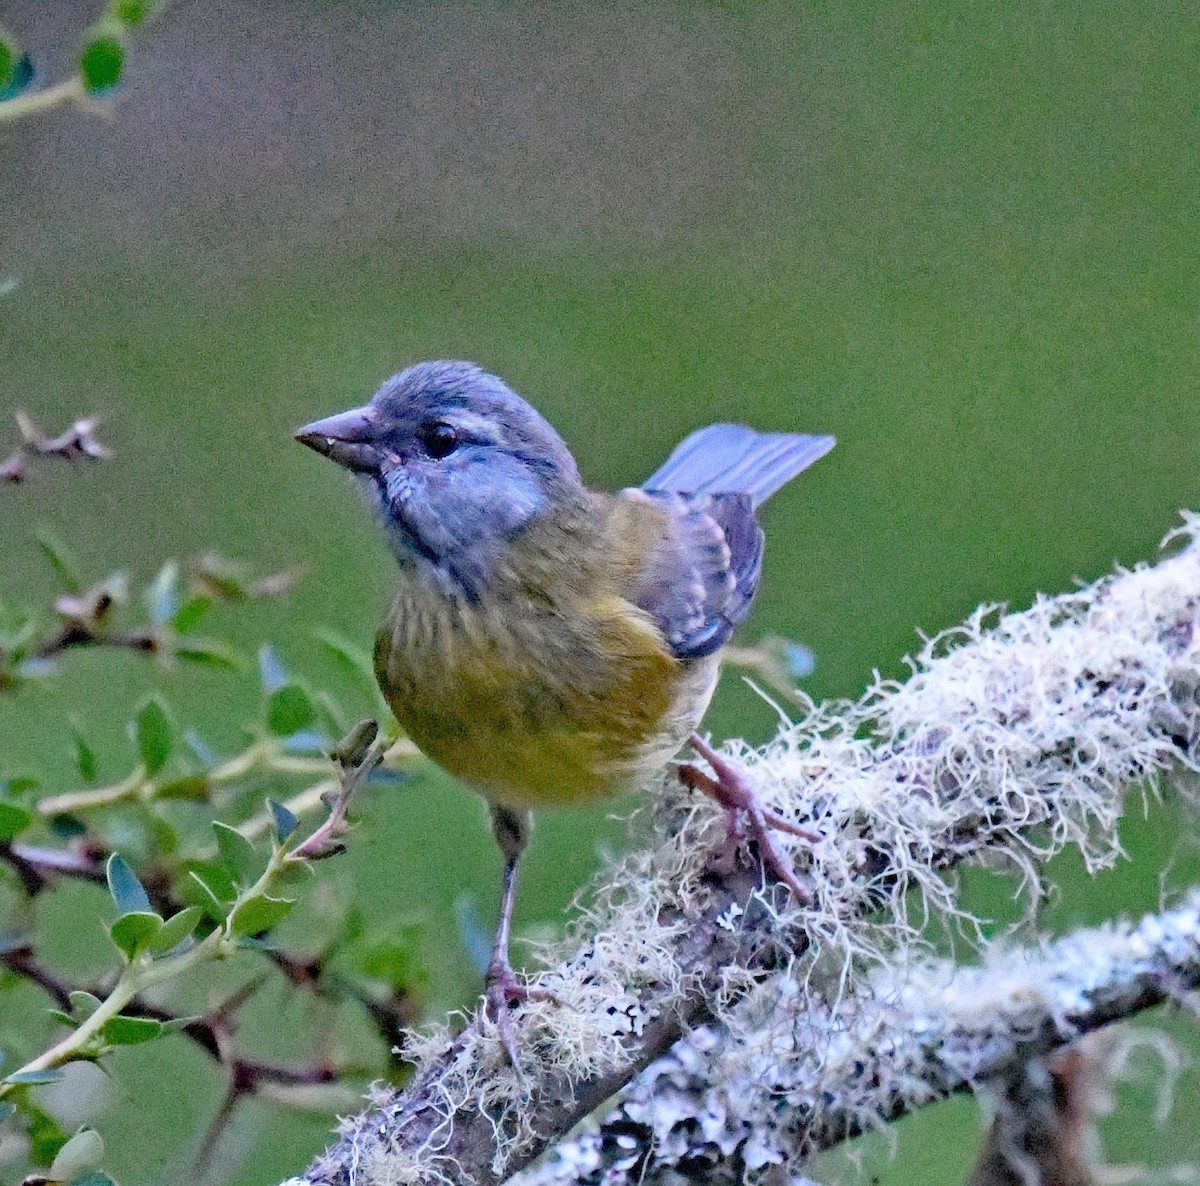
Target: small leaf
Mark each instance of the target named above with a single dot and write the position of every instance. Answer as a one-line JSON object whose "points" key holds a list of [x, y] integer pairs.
{"points": [[285, 821], [154, 735], [213, 573], [8, 56], [83, 1004], [237, 854], [176, 930], [101, 62], [177, 1024], [126, 890], [46, 1136], [192, 786], [20, 75], [306, 741], [357, 659], [130, 12], [162, 594], [210, 651], [13, 820], [69, 827], [271, 672], [210, 903], [200, 748], [80, 1155], [21, 784], [289, 709], [191, 612], [61, 560], [46, 1075], [85, 756], [131, 932], [129, 1031], [257, 914]]}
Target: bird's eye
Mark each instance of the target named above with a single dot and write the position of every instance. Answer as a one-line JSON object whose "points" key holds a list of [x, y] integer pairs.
{"points": [[439, 439]]}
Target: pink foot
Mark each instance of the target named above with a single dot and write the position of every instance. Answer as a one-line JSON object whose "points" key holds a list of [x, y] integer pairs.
{"points": [[502, 990], [734, 791]]}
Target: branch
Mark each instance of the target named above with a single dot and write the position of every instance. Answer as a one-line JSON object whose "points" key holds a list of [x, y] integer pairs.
{"points": [[1015, 736], [79, 440], [907, 1039]]}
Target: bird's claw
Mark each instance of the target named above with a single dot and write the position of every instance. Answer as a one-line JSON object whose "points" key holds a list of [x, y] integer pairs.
{"points": [[734, 791], [503, 990]]}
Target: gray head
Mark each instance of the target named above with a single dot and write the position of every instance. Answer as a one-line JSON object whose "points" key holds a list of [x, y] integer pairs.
{"points": [[455, 462]]}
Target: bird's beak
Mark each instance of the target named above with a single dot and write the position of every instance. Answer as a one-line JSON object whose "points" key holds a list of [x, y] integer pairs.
{"points": [[347, 438]]}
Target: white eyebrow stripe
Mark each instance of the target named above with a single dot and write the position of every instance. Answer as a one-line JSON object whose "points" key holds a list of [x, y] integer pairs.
{"points": [[474, 425]]}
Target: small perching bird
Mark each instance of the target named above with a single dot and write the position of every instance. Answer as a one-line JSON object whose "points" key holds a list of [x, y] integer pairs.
{"points": [[549, 644]]}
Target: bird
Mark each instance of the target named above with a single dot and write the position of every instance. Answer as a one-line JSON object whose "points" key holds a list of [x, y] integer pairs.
{"points": [[548, 644]]}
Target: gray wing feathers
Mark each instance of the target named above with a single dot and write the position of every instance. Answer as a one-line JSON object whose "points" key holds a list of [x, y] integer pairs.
{"points": [[698, 583], [730, 458]]}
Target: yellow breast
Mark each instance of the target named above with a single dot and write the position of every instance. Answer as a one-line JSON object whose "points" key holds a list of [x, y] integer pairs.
{"points": [[535, 699]]}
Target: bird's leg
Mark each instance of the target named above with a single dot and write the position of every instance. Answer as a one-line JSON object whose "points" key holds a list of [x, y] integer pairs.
{"points": [[501, 986], [735, 792]]}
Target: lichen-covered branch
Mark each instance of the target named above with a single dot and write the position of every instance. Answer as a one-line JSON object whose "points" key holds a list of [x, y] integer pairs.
{"points": [[1015, 736], [796, 1076]]}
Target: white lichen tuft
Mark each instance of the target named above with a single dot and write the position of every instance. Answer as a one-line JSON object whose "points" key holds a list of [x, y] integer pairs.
{"points": [[1015, 736]]}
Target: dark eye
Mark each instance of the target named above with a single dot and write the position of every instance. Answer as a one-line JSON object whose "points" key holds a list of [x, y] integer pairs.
{"points": [[439, 439]]}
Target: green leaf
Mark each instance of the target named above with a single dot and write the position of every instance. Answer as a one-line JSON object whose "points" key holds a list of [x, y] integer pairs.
{"points": [[285, 821], [80, 1155], [46, 1136], [13, 820], [101, 62], [130, 12], [289, 709], [257, 914], [83, 1004], [357, 659], [395, 962], [8, 55], [19, 77], [237, 854], [191, 786], [126, 890], [131, 932], [190, 613], [85, 756], [162, 594], [21, 784], [46, 1075], [212, 652], [129, 1031], [209, 900], [61, 560], [154, 735], [175, 930], [178, 1024], [223, 578]]}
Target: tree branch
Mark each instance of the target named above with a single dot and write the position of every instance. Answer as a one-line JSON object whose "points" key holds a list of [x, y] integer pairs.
{"points": [[907, 1038], [1015, 736]]}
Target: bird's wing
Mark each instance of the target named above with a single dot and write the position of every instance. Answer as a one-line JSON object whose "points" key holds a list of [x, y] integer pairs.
{"points": [[731, 457], [697, 576]]}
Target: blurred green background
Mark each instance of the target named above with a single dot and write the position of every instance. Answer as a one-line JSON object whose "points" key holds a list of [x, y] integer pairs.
{"points": [[962, 238]]}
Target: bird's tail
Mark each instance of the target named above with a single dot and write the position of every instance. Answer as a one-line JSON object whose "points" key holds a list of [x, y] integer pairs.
{"points": [[733, 459]]}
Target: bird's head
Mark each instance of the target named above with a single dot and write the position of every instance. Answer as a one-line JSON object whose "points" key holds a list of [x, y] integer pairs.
{"points": [[455, 462]]}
